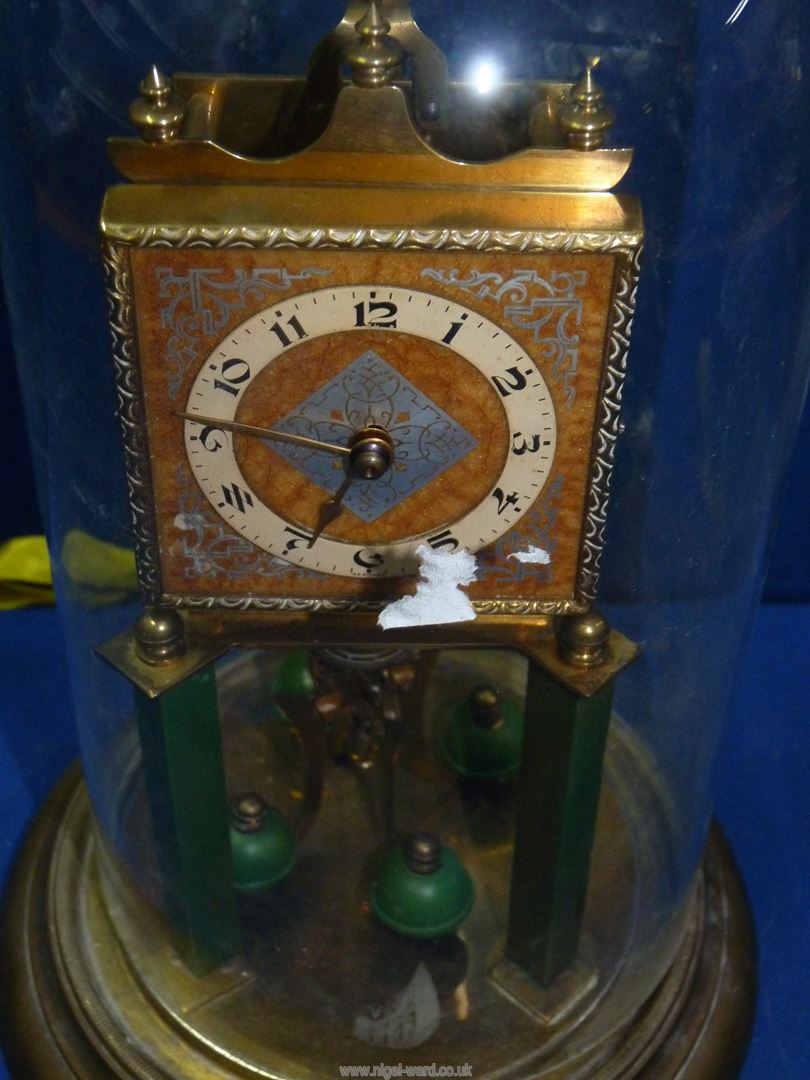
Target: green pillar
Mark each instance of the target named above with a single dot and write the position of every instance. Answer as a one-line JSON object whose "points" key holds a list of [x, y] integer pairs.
{"points": [[557, 801], [185, 784]]}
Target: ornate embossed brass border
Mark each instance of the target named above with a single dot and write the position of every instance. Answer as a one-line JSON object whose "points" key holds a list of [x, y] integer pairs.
{"points": [[625, 246]]}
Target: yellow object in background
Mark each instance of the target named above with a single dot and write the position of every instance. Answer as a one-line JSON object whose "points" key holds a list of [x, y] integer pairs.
{"points": [[98, 565], [101, 573], [25, 573]]}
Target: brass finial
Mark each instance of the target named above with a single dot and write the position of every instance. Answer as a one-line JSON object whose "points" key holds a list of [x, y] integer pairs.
{"points": [[160, 635], [582, 640], [485, 707], [584, 118], [423, 852], [249, 812], [373, 55], [158, 113]]}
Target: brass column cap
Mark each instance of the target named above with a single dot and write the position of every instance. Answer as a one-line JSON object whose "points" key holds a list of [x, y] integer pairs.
{"points": [[582, 640]]}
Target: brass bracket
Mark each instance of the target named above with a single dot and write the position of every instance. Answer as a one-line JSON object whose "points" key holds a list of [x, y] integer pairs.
{"points": [[211, 634], [121, 652]]}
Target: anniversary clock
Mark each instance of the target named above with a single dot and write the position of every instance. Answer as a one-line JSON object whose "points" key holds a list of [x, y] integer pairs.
{"points": [[371, 801], [480, 334]]}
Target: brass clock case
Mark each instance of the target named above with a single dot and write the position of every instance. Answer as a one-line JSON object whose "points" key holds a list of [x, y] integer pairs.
{"points": [[230, 221]]}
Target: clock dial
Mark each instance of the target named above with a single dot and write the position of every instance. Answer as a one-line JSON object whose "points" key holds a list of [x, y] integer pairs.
{"points": [[490, 372], [470, 418]]}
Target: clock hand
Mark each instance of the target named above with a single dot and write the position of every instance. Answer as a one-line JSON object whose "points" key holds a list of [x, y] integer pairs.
{"points": [[266, 433], [333, 508], [371, 454]]}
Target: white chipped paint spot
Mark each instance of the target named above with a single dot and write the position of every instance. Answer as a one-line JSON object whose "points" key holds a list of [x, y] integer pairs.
{"points": [[532, 554], [438, 597]]}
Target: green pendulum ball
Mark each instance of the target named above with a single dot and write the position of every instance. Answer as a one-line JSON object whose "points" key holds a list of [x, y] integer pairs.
{"points": [[294, 677], [262, 845], [484, 738], [422, 890]]}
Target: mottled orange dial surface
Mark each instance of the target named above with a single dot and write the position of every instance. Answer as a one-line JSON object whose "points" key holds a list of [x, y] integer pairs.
{"points": [[451, 382]]}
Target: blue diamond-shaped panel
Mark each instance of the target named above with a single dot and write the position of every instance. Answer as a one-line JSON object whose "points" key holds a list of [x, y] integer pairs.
{"points": [[369, 391]]}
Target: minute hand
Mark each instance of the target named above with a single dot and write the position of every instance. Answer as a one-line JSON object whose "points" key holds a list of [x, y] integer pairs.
{"points": [[265, 433]]}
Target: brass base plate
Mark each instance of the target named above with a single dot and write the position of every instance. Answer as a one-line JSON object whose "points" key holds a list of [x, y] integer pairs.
{"points": [[695, 1025]]}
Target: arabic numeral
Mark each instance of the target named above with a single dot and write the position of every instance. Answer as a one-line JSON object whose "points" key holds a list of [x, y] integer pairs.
{"points": [[283, 336], [208, 440], [234, 372], [379, 313], [513, 379], [235, 497], [368, 559], [443, 539], [297, 538], [454, 329], [505, 501], [521, 446]]}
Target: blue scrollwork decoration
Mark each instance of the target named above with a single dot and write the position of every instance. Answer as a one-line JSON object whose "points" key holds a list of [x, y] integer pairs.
{"points": [[549, 307], [202, 301], [209, 548], [539, 524], [370, 391]]}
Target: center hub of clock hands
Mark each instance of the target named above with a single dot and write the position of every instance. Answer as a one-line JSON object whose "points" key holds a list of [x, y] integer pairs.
{"points": [[371, 455]]}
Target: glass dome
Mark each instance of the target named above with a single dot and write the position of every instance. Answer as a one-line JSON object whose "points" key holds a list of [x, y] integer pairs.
{"points": [[303, 978]]}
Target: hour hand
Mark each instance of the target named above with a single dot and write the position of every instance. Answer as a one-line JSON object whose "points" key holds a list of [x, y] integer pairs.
{"points": [[333, 508], [371, 456]]}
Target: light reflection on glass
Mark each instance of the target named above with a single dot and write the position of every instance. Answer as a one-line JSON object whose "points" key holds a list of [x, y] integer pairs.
{"points": [[484, 76]]}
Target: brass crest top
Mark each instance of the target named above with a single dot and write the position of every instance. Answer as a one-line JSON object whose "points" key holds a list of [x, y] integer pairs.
{"points": [[374, 128]]}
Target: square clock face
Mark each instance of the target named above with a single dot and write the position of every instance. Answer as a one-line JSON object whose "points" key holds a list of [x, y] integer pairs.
{"points": [[463, 399]]}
